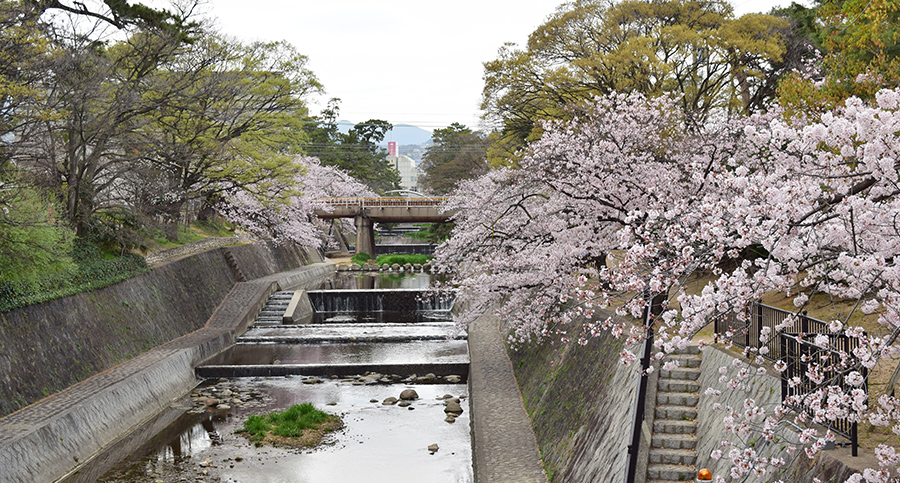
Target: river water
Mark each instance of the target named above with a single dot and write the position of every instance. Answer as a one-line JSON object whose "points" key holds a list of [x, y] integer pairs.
{"points": [[378, 443]]}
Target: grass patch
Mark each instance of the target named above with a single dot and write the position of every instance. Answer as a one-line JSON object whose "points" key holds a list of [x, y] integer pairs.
{"points": [[299, 426], [196, 231], [403, 259], [360, 258]]}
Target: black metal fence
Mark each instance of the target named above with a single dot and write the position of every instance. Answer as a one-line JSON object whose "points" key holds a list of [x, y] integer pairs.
{"points": [[794, 347], [749, 333], [799, 354]]}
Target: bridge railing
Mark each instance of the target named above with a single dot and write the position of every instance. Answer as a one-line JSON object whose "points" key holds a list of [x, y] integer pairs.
{"points": [[383, 202]]}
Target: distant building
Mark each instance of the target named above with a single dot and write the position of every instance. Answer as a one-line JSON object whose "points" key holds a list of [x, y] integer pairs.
{"points": [[409, 172]]}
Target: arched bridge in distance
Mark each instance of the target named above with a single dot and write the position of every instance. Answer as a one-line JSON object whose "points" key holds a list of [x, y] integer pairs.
{"points": [[366, 211]]}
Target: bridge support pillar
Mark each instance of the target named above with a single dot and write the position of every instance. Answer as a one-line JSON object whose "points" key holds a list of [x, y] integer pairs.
{"points": [[365, 235]]}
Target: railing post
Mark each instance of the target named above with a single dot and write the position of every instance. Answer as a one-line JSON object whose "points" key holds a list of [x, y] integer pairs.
{"points": [[782, 338], [653, 309]]}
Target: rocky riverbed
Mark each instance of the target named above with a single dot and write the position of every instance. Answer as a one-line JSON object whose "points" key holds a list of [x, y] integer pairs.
{"points": [[426, 427]]}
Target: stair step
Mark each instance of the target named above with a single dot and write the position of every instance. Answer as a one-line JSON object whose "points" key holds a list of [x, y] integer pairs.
{"points": [[678, 385], [676, 412], [667, 456], [674, 426], [677, 398], [691, 349], [686, 360], [684, 373], [671, 472], [674, 441]]}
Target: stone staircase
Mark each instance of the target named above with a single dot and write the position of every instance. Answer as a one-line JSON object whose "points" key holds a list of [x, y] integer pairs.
{"points": [[273, 312], [673, 453]]}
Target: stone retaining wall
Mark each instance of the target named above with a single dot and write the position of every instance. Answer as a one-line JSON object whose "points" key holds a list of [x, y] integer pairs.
{"points": [[48, 439], [167, 256], [47, 347], [580, 399], [765, 390]]}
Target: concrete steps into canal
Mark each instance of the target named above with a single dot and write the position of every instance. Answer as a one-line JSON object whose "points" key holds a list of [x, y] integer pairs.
{"points": [[673, 451], [273, 312]]}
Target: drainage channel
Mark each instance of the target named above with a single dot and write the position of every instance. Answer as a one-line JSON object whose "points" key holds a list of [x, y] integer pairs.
{"points": [[345, 368]]}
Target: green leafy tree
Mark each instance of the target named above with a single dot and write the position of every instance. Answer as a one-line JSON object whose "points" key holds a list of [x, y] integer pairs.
{"points": [[123, 15], [695, 49], [356, 152], [457, 154], [859, 44], [237, 125], [32, 241]]}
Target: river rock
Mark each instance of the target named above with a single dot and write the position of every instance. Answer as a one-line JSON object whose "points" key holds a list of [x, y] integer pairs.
{"points": [[371, 378], [451, 400], [312, 380], [409, 394], [453, 379], [211, 401], [453, 408], [395, 267], [433, 448], [404, 404], [450, 418], [389, 401], [427, 378]]}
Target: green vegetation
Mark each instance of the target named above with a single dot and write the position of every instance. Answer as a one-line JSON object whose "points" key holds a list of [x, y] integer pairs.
{"points": [[87, 275], [432, 232], [361, 258], [300, 425], [31, 240], [402, 259], [189, 233]]}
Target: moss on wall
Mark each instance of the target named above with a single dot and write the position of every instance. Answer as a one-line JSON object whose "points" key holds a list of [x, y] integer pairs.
{"points": [[575, 397]]}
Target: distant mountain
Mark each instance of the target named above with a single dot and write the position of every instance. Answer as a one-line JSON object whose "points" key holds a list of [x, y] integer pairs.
{"points": [[402, 134]]}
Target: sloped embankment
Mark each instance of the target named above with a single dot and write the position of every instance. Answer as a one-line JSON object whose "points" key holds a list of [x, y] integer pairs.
{"points": [[48, 347], [580, 400]]}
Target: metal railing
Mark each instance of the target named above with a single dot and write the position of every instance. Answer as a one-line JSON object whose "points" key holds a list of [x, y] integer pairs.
{"points": [[799, 354], [760, 316], [793, 347], [384, 202]]}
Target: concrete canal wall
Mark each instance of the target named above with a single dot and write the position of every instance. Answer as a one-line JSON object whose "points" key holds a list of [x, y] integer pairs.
{"points": [[195, 301], [581, 399]]}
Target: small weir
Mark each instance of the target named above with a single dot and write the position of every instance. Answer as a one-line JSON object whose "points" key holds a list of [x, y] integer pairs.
{"points": [[362, 348]]}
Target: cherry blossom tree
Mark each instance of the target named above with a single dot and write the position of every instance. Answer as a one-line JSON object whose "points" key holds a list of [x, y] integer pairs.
{"points": [[815, 199], [286, 212]]}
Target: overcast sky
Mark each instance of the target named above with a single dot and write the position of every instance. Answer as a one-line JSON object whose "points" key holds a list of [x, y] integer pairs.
{"points": [[405, 61]]}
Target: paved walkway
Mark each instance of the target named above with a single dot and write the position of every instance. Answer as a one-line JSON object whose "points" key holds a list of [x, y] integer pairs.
{"points": [[505, 449]]}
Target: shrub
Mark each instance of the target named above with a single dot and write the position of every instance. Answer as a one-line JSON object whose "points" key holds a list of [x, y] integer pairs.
{"points": [[361, 258], [402, 259], [86, 276]]}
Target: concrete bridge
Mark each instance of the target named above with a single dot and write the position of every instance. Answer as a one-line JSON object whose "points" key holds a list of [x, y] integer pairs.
{"points": [[366, 211]]}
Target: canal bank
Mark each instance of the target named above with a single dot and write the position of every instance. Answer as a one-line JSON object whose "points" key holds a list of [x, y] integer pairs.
{"points": [[55, 436], [48, 439]]}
